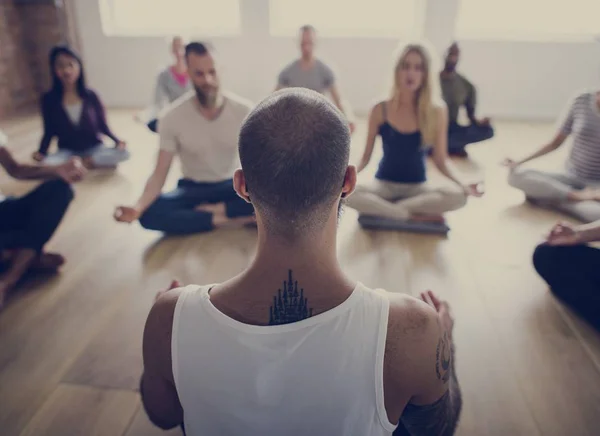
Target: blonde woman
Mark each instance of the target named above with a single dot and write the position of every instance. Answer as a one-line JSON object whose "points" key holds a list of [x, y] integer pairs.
{"points": [[409, 122]]}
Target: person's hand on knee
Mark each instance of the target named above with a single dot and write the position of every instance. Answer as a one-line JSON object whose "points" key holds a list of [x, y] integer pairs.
{"points": [[126, 214], [71, 171], [37, 156]]}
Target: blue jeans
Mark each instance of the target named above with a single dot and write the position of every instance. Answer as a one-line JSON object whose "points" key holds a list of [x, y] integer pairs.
{"points": [[30, 221], [461, 136], [174, 212], [102, 156]]}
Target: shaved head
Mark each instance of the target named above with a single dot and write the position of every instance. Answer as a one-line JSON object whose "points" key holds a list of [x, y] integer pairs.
{"points": [[294, 149]]}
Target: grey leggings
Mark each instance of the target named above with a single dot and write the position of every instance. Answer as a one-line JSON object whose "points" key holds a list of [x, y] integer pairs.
{"points": [[551, 189], [401, 200]]}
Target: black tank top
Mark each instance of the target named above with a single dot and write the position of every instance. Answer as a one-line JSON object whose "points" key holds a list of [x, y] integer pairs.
{"points": [[403, 158]]}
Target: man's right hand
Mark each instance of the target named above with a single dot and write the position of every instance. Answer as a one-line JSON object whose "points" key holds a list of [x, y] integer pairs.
{"points": [[126, 214], [72, 170], [174, 284], [37, 156], [442, 308]]}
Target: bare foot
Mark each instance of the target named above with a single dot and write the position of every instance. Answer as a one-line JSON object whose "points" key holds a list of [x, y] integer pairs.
{"points": [[88, 162], [214, 208], [48, 262], [223, 222], [439, 219], [587, 194]]}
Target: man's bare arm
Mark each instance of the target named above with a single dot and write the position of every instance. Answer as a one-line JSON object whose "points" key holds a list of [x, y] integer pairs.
{"points": [[157, 386], [435, 408], [440, 417]]}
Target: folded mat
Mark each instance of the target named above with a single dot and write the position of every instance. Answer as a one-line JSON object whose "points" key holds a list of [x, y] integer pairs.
{"points": [[380, 223]]}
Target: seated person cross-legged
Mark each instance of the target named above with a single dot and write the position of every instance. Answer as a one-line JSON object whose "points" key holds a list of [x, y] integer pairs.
{"points": [[457, 92], [400, 198], [171, 84], [292, 345], [28, 222], [570, 267], [75, 115], [576, 190], [202, 129], [313, 73]]}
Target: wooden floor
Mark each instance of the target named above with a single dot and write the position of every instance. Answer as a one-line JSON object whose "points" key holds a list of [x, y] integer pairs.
{"points": [[70, 347]]}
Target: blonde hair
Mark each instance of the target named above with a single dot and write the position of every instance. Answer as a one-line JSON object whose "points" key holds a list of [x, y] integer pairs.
{"points": [[428, 100]]}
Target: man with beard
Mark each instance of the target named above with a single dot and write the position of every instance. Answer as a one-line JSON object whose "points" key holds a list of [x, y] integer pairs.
{"points": [[202, 130], [458, 91]]}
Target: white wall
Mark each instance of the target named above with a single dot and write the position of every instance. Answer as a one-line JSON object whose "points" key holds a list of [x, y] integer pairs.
{"points": [[514, 79]]}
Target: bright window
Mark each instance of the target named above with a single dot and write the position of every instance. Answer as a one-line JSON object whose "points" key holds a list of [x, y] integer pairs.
{"points": [[345, 18], [168, 17], [535, 20]]}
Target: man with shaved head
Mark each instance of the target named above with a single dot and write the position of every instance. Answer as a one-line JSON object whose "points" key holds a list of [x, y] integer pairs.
{"points": [[292, 345], [459, 92]]}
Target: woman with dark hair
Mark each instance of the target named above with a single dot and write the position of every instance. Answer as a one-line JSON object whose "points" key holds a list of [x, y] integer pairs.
{"points": [[75, 115]]}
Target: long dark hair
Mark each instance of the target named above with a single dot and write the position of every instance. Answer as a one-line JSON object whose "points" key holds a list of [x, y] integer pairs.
{"points": [[57, 86]]}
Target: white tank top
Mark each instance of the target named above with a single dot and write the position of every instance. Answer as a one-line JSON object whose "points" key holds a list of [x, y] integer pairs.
{"points": [[319, 376]]}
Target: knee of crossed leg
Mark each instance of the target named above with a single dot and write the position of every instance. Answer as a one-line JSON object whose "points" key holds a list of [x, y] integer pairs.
{"points": [[545, 261], [515, 178], [58, 190], [150, 219], [457, 199]]}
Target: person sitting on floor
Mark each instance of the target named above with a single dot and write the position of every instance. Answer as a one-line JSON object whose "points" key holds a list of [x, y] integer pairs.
{"points": [[576, 190], [570, 267], [172, 83], [312, 73], [28, 222], [75, 115], [457, 92], [293, 332], [408, 122], [202, 129]]}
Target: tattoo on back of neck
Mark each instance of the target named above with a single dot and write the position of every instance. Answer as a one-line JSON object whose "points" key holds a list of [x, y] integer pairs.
{"points": [[289, 305]]}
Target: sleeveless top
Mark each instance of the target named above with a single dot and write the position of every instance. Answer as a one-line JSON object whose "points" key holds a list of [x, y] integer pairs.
{"points": [[319, 376], [403, 158]]}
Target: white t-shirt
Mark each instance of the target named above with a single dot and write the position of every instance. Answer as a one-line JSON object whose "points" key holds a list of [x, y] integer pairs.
{"points": [[207, 149]]}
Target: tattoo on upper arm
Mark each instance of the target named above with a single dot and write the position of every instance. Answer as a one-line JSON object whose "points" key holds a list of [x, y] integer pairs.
{"points": [[289, 305], [443, 358]]}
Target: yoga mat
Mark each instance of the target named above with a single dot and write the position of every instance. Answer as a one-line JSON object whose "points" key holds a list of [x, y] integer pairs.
{"points": [[379, 223]]}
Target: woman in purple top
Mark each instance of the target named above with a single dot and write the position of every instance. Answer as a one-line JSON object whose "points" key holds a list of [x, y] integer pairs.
{"points": [[75, 115]]}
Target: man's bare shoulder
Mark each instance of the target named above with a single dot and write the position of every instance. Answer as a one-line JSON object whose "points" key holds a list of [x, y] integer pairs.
{"points": [[409, 316], [412, 325], [159, 324]]}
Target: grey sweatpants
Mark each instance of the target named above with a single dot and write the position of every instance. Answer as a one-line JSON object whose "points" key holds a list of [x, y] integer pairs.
{"points": [[551, 190], [401, 200]]}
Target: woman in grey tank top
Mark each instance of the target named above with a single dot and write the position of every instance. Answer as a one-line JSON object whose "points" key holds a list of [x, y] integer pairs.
{"points": [[172, 83]]}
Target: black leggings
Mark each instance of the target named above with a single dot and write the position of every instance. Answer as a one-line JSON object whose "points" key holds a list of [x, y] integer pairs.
{"points": [[573, 273], [30, 221]]}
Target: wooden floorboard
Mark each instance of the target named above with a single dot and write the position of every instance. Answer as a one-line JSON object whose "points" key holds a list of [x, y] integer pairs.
{"points": [[70, 346], [83, 411]]}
